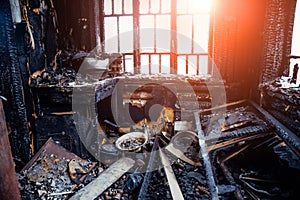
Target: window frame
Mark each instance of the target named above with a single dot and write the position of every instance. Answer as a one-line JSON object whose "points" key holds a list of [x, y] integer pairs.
{"points": [[136, 53]]}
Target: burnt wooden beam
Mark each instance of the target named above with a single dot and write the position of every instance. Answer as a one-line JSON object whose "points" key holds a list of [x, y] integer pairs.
{"points": [[104, 180], [233, 141], [8, 180], [173, 184], [11, 82], [231, 180], [206, 160], [225, 106], [146, 182], [292, 140], [226, 171]]}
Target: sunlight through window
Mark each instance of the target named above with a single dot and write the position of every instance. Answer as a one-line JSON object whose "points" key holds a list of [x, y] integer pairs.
{"points": [[192, 28]]}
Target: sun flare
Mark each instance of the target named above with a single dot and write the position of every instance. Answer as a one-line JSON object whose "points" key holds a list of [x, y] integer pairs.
{"points": [[199, 6]]}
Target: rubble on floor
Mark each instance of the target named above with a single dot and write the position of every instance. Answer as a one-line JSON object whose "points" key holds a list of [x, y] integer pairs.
{"points": [[236, 154], [55, 173], [282, 100]]}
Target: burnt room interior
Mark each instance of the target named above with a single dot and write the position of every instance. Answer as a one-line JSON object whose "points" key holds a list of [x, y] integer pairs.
{"points": [[149, 99]]}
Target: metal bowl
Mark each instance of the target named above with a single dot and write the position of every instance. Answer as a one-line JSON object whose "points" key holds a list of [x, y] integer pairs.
{"points": [[132, 141]]}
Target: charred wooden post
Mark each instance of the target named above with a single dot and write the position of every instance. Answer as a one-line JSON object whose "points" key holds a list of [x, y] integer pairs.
{"points": [[36, 19], [284, 18], [24, 38], [8, 181], [51, 44], [12, 86]]}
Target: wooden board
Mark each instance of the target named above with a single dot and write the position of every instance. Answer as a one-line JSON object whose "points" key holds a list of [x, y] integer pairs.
{"points": [[173, 184], [104, 180], [8, 180]]}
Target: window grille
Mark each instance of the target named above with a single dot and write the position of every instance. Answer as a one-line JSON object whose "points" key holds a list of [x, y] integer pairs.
{"points": [[127, 21]]}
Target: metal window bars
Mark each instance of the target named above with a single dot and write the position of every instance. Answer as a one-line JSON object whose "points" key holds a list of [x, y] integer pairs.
{"points": [[128, 20]]}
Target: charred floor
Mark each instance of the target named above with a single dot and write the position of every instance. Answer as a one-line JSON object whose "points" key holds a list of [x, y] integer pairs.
{"points": [[149, 99]]}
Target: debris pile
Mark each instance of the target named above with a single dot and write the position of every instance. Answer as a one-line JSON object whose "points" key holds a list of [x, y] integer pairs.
{"points": [[236, 154], [56, 175], [251, 157], [283, 102], [63, 78], [241, 120]]}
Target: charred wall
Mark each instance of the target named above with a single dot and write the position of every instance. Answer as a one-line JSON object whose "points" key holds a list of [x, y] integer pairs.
{"points": [[76, 24], [250, 41], [278, 33], [11, 86], [236, 42]]}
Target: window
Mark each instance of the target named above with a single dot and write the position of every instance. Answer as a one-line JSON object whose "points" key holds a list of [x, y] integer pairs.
{"points": [[296, 41], [155, 48]]}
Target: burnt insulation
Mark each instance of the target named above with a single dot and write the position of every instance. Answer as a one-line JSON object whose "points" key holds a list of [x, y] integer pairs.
{"points": [[11, 86]]}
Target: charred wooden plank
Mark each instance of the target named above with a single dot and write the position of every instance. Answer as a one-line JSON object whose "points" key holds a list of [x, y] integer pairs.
{"points": [[242, 132], [51, 148], [233, 141], [8, 180], [225, 106], [146, 182], [207, 164], [179, 154], [292, 124], [173, 184], [226, 171], [231, 180], [288, 136], [104, 180]]}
